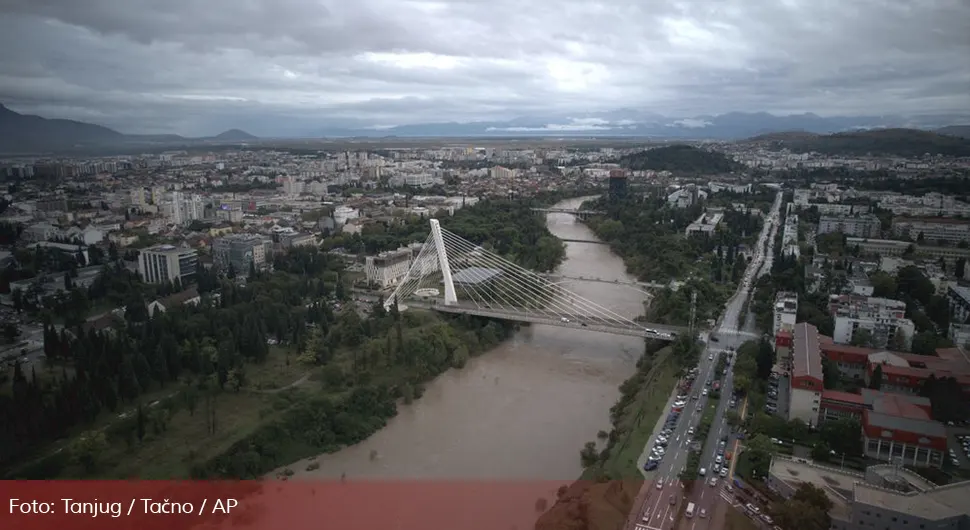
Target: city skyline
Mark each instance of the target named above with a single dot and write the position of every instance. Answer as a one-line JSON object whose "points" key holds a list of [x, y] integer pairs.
{"points": [[292, 67]]}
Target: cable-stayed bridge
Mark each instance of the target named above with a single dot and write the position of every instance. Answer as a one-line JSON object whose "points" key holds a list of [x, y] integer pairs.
{"points": [[454, 275]]}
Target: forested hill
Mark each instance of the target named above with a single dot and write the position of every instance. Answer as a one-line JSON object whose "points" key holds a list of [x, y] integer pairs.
{"points": [[888, 142], [681, 159]]}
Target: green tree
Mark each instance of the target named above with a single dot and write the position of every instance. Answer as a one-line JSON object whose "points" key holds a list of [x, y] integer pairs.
{"points": [[862, 337], [88, 449]]}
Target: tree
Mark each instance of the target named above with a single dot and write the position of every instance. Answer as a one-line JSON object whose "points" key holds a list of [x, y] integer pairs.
{"points": [[11, 331], [898, 341], [759, 450], [765, 359], [830, 374], [843, 435], [87, 450], [925, 343], [820, 452], [231, 272], [883, 285], [875, 382], [862, 337], [946, 399]]}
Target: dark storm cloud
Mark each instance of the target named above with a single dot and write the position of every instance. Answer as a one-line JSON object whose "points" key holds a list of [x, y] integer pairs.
{"points": [[197, 67]]}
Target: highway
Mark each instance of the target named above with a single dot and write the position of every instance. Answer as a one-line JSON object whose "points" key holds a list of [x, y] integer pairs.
{"points": [[663, 496]]}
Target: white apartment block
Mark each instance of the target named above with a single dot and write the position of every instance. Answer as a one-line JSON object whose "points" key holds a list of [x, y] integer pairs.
{"points": [[866, 225], [786, 311], [165, 263], [933, 229], [931, 204], [387, 268], [882, 317]]}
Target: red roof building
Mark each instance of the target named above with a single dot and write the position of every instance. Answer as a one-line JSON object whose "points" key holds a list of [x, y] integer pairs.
{"points": [[806, 375]]}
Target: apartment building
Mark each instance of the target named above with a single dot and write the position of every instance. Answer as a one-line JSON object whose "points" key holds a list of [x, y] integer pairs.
{"points": [[785, 312], [805, 381], [882, 317], [241, 252], [165, 263], [959, 299], [866, 225], [932, 229]]}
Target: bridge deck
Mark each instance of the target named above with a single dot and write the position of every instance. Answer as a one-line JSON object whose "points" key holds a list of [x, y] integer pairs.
{"points": [[618, 327]]}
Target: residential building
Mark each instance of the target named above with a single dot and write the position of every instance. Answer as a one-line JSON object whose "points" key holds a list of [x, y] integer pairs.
{"points": [[806, 377], [959, 299], [866, 225], [885, 496], [882, 317], [165, 263], [241, 252], [894, 248], [786, 311], [933, 229]]}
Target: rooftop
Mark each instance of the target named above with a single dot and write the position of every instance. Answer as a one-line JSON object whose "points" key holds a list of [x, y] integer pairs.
{"points": [[475, 275], [837, 395], [936, 504], [806, 354], [836, 484]]}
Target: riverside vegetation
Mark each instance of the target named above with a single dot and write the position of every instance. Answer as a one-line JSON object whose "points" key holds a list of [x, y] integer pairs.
{"points": [[603, 496], [253, 377]]}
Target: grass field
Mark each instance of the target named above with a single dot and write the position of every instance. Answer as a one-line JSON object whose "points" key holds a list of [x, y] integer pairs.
{"points": [[642, 418]]}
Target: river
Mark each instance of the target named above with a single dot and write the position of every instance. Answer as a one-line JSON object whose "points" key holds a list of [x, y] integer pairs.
{"points": [[519, 412]]}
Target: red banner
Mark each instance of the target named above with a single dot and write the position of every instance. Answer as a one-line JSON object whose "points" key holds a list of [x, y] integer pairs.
{"points": [[278, 505]]}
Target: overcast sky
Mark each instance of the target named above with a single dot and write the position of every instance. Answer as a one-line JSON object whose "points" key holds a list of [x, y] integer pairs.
{"points": [[197, 67]]}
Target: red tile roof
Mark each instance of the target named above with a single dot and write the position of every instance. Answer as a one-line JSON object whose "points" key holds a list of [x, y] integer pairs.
{"points": [[837, 395]]}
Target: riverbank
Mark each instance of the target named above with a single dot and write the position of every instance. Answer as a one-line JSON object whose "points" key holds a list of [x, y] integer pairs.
{"points": [[604, 495]]}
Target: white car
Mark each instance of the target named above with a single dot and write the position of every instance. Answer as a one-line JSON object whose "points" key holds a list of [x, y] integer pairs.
{"points": [[564, 320], [660, 484], [724, 472], [710, 357]]}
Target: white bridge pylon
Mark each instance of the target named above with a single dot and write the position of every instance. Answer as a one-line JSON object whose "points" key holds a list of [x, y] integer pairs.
{"points": [[476, 279]]}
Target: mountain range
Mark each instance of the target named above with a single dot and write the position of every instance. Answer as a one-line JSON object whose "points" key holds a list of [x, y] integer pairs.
{"points": [[20, 133]]}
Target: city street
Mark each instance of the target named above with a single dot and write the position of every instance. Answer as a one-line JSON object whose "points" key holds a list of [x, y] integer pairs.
{"points": [[663, 496]]}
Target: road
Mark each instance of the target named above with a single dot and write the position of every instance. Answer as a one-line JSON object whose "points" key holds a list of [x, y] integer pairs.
{"points": [[664, 496]]}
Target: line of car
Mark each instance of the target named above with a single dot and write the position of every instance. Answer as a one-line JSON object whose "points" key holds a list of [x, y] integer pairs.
{"points": [[964, 440], [771, 406]]}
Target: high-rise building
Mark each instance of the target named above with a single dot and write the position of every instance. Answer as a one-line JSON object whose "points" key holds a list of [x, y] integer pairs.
{"points": [[786, 310], [165, 263], [618, 184], [240, 251]]}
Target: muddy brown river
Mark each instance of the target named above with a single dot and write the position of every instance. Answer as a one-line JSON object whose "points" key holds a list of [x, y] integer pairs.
{"points": [[521, 411]]}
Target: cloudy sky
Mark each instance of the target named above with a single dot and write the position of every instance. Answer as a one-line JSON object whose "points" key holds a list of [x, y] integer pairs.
{"points": [[277, 67]]}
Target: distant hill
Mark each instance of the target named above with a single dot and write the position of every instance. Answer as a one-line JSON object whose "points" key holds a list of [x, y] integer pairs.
{"points": [[24, 132], [962, 131], [679, 158], [235, 135], [885, 142]]}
